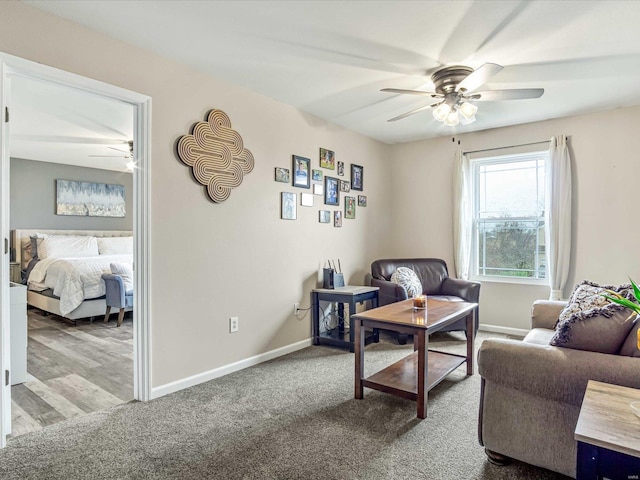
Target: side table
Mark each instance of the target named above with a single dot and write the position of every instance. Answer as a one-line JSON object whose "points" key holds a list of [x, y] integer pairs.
{"points": [[350, 295], [608, 433]]}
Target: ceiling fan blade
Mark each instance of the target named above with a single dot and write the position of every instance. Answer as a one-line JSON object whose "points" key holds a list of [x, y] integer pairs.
{"points": [[513, 94], [66, 139], [412, 112], [119, 150], [411, 92], [479, 77]]}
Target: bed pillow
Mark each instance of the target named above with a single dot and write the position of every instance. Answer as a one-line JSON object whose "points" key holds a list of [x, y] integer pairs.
{"points": [[126, 272], [408, 279], [115, 245], [35, 240], [60, 246], [590, 322]]}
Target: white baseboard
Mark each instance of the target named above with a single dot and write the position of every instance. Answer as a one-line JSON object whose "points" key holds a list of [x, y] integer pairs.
{"points": [[157, 392], [521, 332]]}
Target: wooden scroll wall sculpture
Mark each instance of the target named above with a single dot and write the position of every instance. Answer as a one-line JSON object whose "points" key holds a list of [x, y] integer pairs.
{"points": [[216, 154]]}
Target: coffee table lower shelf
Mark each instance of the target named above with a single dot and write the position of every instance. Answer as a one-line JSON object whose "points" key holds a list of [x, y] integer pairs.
{"points": [[401, 378]]}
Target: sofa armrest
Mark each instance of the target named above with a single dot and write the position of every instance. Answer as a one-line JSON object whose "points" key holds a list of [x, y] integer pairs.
{"points": [[389, 292], [467, 290], [554, 373], [545, 313]]}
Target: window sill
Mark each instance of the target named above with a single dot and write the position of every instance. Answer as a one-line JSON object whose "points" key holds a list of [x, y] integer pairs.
{"points": [[540, 282]]}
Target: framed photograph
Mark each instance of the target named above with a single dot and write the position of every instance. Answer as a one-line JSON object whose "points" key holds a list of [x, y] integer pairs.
{"points": [[349, 207], [317, 189], [362, 200], [337, 218], [331, 192], [88, 199], [301, 171], [341, 169], [316, 175], [327, 159], [288, 210], [282, 175], [324, 216], [306, 200], [356, 177], [344, 186]]}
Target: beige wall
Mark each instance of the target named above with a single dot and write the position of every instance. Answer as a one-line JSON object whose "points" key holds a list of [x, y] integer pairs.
{"points": [[209, 261], [606, 168]]}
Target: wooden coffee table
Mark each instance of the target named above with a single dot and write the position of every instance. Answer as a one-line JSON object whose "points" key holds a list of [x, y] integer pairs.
{"points": [[413, 376]]}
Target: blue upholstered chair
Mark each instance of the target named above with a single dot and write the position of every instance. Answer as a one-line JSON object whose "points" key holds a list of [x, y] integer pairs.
{"points": [[117, 297]]}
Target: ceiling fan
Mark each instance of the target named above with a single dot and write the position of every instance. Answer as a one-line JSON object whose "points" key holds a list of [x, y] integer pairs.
{"points": [[127, 154], [455, 91]]}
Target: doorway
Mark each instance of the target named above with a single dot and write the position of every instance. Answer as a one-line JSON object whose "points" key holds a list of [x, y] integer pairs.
{"points": [[11, 70]]}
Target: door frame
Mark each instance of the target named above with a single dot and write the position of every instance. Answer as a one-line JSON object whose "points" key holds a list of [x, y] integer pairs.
{"points": [[12, 66]]}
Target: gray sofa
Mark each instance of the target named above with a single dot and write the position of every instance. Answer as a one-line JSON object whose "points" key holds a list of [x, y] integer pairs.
{"points": [[531, 393], [433, 275]]}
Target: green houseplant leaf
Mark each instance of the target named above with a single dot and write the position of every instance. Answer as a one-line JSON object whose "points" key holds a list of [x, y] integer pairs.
{"points": [[615, 297]]}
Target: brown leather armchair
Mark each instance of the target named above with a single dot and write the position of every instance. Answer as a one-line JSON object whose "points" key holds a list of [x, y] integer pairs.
{"points": [[433, 275]]}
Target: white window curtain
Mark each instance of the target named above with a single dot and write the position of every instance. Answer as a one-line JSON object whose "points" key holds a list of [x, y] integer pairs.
{"points": [[558, 215], [462, 214]]}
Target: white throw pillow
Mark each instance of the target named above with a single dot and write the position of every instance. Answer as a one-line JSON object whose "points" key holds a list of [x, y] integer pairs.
{"points": [[115, 245], [409, 280], [60, 246], [126, 272]]}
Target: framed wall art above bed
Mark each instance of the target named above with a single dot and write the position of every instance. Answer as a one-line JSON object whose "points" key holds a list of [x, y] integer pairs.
{"points": [[89, 199]]}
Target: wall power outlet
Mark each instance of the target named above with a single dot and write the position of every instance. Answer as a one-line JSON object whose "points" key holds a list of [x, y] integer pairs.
{"points": [[296, 309], [233, 324]]}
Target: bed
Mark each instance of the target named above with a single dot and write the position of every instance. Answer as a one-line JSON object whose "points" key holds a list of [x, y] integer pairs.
{"points": [[67, 281]]}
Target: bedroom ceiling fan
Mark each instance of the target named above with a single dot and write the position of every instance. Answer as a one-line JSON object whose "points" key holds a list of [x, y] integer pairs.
{"points": [[127, 154], [455, 91]]}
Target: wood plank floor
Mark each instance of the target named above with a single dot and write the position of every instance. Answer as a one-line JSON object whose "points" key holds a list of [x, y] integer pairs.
{"points": [[72, 370]]}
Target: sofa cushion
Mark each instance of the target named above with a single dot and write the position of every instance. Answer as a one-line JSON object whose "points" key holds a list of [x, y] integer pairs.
{"points": [[539, 336], [631, 346], [408, 279], [590, 322]]}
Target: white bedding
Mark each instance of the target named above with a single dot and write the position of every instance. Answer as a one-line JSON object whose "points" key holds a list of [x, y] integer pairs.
{"points": [[74, 279]]}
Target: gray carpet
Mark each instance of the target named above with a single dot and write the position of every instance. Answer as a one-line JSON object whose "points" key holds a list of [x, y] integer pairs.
{"points": [[291, 418]]}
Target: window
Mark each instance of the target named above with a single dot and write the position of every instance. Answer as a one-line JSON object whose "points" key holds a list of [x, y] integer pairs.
{"points": [[508, 217]]}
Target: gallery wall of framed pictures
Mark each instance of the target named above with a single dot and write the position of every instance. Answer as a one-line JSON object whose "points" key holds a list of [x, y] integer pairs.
{"points": [[324, 185]]}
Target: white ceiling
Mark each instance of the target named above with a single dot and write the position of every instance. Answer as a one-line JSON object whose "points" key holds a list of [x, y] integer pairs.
{"points": [[54, 123], [331, 58]]}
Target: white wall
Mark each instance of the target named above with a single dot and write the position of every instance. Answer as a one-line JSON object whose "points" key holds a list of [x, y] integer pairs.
{"points": [[605, 149], [212, 261]]}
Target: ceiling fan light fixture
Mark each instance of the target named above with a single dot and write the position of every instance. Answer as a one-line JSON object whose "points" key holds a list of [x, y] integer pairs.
{"points": [[466, 121], [441, 111], [468, 110], [452, 119]]}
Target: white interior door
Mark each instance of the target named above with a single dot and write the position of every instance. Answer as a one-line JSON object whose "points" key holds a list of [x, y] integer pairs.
{"points": [[5, 390], [10, 65]]}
